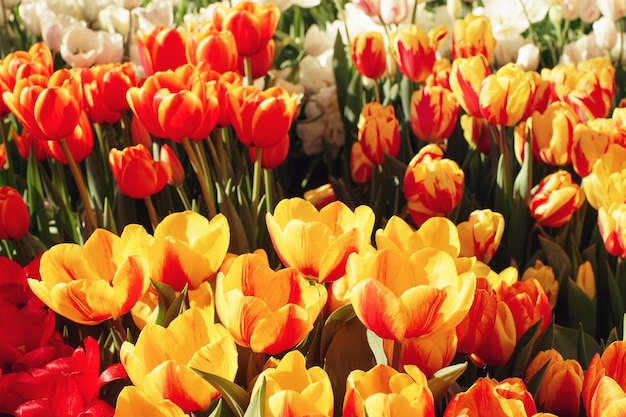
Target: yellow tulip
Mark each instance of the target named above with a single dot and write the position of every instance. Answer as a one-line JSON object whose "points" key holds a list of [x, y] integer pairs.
{"points": [[133, 402], [472, 36], [504, 96], [606, 184], [545, 276]]}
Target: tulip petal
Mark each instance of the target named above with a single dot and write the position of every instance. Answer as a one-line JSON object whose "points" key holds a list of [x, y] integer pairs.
{"points": [[281, 330], [289, 403], [218, 357], [174, 263], [130, 283]]}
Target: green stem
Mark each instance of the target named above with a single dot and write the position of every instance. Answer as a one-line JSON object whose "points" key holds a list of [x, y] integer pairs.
{"points": [[395, 359], [247, 66], [151, 212], [256, 187], [268, 180], [119, 332], [5, 141], [183, 197], [82, 189], [209, 199]]}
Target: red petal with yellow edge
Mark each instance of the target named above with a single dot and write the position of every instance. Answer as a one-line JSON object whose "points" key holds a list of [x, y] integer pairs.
{"points": [[281, 330], [219, 358], [423, 305], [292, 404], [243, 314], [87, 302], [181, 385], [57, 113], [130, 283], [174, 263], [276, 289], [133, 402], [379, 309], [333, 263], [608, 393]]}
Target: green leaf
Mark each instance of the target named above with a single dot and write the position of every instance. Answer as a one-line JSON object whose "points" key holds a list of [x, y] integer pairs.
{"points": [[566, 342], [178, 306], [376, 345], [165, 293], [545, 340], [615, 299], [444, 378], [523, 349], [257, 404], [337, 319], [235, 396], [581, 310], [535, 381], [556, 257], [239, 239]]}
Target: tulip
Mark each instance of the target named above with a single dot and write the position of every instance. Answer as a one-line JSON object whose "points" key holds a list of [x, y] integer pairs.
{"points": [[136, 173], [27, 142], [369, 54], [252, 25], [555, 199], [79, 142], [317, 243], [384, 391], [414, 51], [268, 311], [384, 11], [528, 303], [504, 96], [611, 224], [261, 118], [588, 146], [440, 74], [272, 156], [175, 170], [92, 283], [133, 402], [434, 113], [614, 9], [472, 36], [488, 397], [378, 132], [592, 96], [14, 288], [480, 320], [476, 133], [499, 341], [20, 64], [431, 297], [432, 188], [206, 44], [604, 186], [603, 392], [528, 57], [539, 94], [161, 361], [466, 77], [14, 216], [261, 62], [552, 133], [360, 165], [48, 107], [160, 49], [545, 276], [480, 235], [586, 280], [188, 249], [561, 385], [176, 104], [321, 196], [94, 103]]}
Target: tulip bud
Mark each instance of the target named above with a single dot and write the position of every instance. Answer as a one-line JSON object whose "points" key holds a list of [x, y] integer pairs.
{"points": [[15, 219], [415, 52], [545, 275], [588, 146], [480, 236], [555, 199], [136, 173], [434, 111], [605, 32], [360, 165], [369, 54], [466, 77], [476, 133], [552, 133], [504, 96], [586, 280], [472, 36], [321, 196], [528, 57], [612, 226], [378, 132], [175, 171]]}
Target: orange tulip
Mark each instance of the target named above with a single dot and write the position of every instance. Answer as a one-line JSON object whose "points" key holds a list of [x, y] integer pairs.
{"points": [[161, 361], [92, 283], [561, 385], [48, 107], [136, 173], [272, 156], [588, 146], [603, 386], [369, 54], [225, 83], [431, 296], [414, 51], [133, 402], [104, 90], [378, 132], [586, 279], [466, 77], [176, 104], [545, 276], [139, 134], [317, 243], [555, 199], [268, 311], [434, 113], [480, 235], [79, 142], [293, 390], [472, 36], [216, 47], [504, 96], [321, 196], [508, 398], [14, 216], [160, 49], [26, 141], [552, 133], [261, 62], [499, 341], [261, 118], [432, 188], [383, 391], [528, 303], [480, 320], [252, 25]]}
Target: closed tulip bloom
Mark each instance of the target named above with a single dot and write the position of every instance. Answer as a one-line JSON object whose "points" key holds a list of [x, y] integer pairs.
{"points": [[432, 188], [472, 36], [606, 184], [217, 47], [434, 113], [134, 402], [360, 165], [586, 279], [293, 390], [317, 243], [162, 360], [321, 196], [499, 341], [384, 391], [261, 62], [415, 51], [268, 311], [261, 118], [430, 297], [20, 64], [603, 393], [252, 25], [555, 199], [479, 322], [466, 77], [136, 173], [480, 235], [504, 96], [545, 275], [93, 100], [612, 227], [593, 94], [272, 156], [175, 170], [160, 49], [369, 54], [385, 11], [561, 386], [92, 283], [552, 133], [476, 133], [176, 104], [588, 146], [539, 95], [14, 216], [379, 132]]}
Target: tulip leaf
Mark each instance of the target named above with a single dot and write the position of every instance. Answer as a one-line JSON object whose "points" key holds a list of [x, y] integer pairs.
{"points": [[239, 240], [581, 310], [545, 340], [615, 298], [235, 396], [396, 167], [566, 342], [535, 381], [217, 411], [443, 379], [178, 306], [337, 319], [523, 348], [375, 343], [256, 407], [612, 337], [36, 204], [343, 193], [165, 293], [557, 258]]}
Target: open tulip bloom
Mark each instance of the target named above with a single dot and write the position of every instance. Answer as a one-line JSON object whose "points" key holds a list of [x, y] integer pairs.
{"points": [[359, 208]]}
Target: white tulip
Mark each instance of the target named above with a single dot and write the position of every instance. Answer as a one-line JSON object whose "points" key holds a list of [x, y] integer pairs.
{"points": [[80, 46], [112, 47], [605, 32], [528, 57], [53, 28]]}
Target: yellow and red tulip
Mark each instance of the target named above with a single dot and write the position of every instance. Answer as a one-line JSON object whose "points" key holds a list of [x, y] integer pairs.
{"points": [[480, 235], [555, 199], [588, 146], [378, 132], [216, 47], [504, 96], [544, 274], [466, 77], [552, 133], [369, 54], [476, 133], [472, 36], [603, 386], [415, 51], [434, 112], [604, 186], [134, 402]]}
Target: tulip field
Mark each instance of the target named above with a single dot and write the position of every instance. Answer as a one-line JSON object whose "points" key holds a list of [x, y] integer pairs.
{"points": [[312, 208]]}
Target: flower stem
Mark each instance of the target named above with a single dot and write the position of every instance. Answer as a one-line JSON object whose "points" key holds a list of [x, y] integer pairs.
{"points": [[183, 197], [82, 189], [395, 359], [119, 332], [256, 187], [195, 163], [5, 141], [247, 66], [151, 212]]}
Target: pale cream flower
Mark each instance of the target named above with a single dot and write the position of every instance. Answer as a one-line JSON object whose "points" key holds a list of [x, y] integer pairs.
{"points": [[605, 33], [528, 57], [582, 49], [112, 47], [613, 9], [80, 46], [156, 13], [114, 19], [54, 26]]}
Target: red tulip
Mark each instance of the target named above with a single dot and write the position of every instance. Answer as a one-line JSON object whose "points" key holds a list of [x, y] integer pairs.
{"points": [[136, 173]]}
